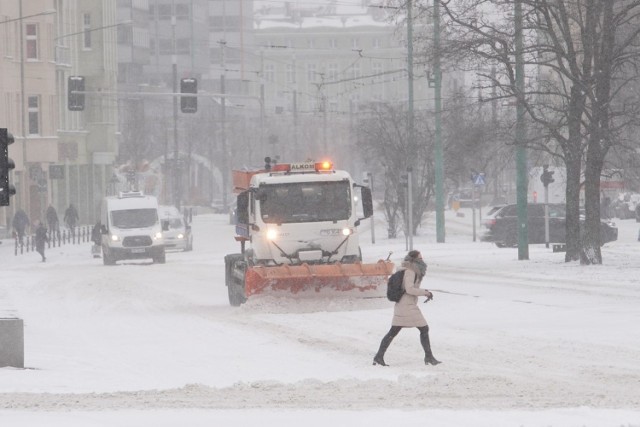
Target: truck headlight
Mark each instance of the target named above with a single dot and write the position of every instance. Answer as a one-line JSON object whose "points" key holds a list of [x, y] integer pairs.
{"points": [[114, 237], [272, 233], [347, 231], [158, 235], [180, 236]]}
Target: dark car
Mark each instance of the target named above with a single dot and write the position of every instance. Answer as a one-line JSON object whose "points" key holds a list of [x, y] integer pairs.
{"points": [[501, 227]]}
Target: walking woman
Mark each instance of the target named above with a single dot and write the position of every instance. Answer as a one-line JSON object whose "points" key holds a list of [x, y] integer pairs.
{"points": [[406, 313]]}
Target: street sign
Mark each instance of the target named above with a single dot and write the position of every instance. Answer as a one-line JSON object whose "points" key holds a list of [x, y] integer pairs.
{"points": [[478, 179]]}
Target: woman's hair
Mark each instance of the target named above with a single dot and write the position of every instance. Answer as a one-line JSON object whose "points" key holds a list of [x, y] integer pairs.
{"points": [[412, 255]]}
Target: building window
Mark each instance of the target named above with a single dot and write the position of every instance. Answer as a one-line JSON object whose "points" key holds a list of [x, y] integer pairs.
{"points": [[86, 30], [354, 43], [332, 72], [34, 115], [312, 75], [356, 73], [291, 74], [164, 11], [311, 44], [183, 46], [269, 73], [376, 43], [165, 46], [376, 69], [333, 43], [32, 41], [182, 12]]}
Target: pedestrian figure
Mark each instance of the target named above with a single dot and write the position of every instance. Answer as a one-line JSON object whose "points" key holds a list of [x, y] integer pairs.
{"points": [[71, 218], [52, 221], [41, 239], [19, 224], [96, 238], [406, 313]]}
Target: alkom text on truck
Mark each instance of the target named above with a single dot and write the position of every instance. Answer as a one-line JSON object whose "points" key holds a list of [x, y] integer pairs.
{"points": [[301, 223]]}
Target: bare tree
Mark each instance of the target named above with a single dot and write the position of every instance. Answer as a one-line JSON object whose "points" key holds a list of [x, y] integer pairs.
{"points": [[384, 141], [577, 56]]}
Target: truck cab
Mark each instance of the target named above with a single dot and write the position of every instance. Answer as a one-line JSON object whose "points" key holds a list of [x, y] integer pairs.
{"points": [[303, 213], [131, 228]]}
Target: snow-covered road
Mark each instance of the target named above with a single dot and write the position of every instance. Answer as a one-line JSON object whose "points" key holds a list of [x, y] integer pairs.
{"points": [[515, 336]]}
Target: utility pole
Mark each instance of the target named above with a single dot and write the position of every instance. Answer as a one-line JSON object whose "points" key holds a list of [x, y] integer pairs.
{"points": [[521, 154], [410, 205], [223, 131], [296, 145], [24, 181], [439, 160], [410, 123], [174, 67], [324, 124], [262, 148], [410, 71]]}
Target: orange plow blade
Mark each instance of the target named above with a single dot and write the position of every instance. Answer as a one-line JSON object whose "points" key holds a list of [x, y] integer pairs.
{"points": [[358, 279]]}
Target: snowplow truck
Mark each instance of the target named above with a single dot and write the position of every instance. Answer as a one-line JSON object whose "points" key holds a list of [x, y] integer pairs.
{"points": [[297, 225]]}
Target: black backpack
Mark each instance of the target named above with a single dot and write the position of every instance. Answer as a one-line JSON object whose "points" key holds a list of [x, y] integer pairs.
{"points": [[395, 288]]}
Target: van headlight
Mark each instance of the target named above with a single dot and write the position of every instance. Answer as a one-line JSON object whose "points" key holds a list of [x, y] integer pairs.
{"points": [[158, 235], [115, 238]]}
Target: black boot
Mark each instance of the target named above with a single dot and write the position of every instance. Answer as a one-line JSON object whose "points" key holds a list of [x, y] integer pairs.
{"points": [[426, 345], [430, 360], [384, 344], [379, 360]]}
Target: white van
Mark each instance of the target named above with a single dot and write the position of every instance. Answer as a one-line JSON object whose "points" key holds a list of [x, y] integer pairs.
{"points": [[131, 228], [177, 233]]}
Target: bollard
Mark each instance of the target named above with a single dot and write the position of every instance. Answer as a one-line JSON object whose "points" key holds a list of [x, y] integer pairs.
{"points": [[11, 342]]}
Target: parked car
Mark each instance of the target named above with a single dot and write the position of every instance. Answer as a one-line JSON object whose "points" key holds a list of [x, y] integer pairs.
{"points": [[489, 217], [501, 227]]}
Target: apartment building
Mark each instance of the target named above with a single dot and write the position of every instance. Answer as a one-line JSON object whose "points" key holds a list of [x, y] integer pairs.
{"points": [[28, 96]]}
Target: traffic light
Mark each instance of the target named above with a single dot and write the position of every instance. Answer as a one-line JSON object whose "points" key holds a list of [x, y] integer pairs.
{"points": [[6, 165], [75, 93], [547, 176], [188, 104]]}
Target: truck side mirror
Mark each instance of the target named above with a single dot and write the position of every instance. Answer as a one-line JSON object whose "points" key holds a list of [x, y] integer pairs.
{"points": [[103, 229], [165, 225], [242, 214], [367, 202]]}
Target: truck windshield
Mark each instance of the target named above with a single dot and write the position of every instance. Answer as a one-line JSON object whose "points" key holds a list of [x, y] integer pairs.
{"points": [[306, 202], [134, 218]]}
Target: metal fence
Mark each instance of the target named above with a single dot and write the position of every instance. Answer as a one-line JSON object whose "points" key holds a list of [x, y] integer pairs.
{"points": [[80, 234]]}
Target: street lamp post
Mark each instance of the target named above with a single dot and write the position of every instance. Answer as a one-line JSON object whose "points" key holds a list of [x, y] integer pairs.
{"points": [[439, 161], [521, 154], [174, 68]]}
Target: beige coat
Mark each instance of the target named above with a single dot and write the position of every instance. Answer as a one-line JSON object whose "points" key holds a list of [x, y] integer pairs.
{"points": [[406, 312]]}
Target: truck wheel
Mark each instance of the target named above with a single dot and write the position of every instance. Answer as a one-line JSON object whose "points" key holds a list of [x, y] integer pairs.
{"points": [[235, 286]]}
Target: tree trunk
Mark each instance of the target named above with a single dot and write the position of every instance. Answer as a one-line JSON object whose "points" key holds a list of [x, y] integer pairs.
{"points": [[590, 253], [572, 221], [573, 161]]}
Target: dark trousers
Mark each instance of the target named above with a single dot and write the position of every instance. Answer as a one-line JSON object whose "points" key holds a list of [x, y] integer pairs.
{"points": [[424, 340]]}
